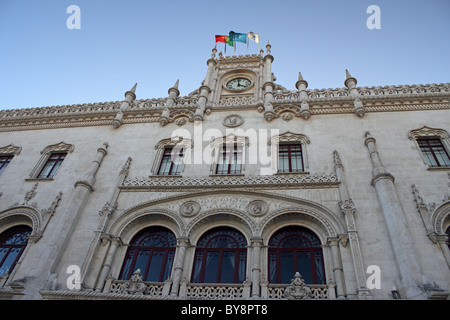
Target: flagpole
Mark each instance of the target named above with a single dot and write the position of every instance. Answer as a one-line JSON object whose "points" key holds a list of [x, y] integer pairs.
{"points": [[247, 44]]}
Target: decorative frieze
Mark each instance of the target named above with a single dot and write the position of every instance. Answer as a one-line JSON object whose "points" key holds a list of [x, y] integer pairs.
{"points": [[286, 181]]}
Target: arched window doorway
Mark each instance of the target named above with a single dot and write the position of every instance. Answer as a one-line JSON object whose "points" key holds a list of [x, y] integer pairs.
{"points": [[220, 257], [152, 251], [295, 249], [12, 244]]}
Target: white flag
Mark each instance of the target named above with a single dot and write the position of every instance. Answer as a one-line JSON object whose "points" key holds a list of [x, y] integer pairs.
{"points": [[253, 36]]}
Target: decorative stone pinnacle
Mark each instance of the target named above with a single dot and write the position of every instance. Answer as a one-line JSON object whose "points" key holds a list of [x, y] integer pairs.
{"points": [[132, 92], [348, 77], [301, 81]]}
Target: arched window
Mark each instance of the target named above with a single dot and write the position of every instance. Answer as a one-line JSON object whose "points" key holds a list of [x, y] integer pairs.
{"points": [[152, 251], [12, 243], [295, 249], [448, 237], [220, 257]]}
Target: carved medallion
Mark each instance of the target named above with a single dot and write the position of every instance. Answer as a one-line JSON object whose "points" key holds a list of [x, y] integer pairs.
{"points": [[189, 209], [257, 208], [233, 120]]}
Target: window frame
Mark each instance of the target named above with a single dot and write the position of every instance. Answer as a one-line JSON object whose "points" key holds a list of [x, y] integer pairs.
{"points": [[174, 142], [8, 152], [313, 251], [216, 148], [133, 250], [53, 163], [14, 230], [431, 133], [291, 157], [199, 267], [431, 150], [167, 155], [289, 138], [58, 148], [230, 155]]}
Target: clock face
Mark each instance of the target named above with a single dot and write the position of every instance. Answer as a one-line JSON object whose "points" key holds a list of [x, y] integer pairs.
{"points": [[238, 84]]}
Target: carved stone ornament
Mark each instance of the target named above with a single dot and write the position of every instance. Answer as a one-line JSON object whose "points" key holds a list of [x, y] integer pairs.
{"points": [[189, 209], [257, 208], [233, 120], [135, 285], [297, 289]]}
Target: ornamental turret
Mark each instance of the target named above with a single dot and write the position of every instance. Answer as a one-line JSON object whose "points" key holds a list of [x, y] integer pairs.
{"points": [[130, 96]]}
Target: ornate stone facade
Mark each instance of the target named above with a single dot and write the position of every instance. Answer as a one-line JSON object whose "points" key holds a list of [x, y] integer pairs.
{"points": [[360, 157]]}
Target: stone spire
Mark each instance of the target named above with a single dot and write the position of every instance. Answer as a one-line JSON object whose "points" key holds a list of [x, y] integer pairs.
{"points": [[173, 95], [350, 82], [301, 86], [206, 86], [130, 96]]}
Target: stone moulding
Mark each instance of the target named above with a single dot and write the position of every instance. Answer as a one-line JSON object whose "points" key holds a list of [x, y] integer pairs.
{"points": [[321, 101], [286, 181]]}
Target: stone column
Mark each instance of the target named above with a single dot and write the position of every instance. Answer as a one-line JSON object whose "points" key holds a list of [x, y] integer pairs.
{"points": [[256, 244], [442, 240], [116, 242], [105, 215], [268, 85], [333, 243], [78, 200], [348, 209], [394, 218], [183, 243]]}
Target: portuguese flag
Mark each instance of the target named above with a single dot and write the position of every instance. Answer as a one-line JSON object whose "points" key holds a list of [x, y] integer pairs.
{"points": [[224, 39]]}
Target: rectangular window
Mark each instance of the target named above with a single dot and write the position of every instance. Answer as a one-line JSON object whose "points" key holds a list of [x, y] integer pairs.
{"points": [[290, 158], [171, 162], [52, 165], [434, 152], [4, 161], [230, 159]]}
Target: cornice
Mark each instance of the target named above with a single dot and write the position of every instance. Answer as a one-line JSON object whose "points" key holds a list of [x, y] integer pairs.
{"points": [[321, 102]]}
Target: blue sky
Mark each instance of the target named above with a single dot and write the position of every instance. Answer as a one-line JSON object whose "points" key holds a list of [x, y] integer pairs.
{"points": [[154, 43]]}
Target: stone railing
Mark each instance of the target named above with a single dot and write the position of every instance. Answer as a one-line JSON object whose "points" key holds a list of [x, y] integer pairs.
{"points": [[318, 292], [151, 289], [216, 291], [213, 291]]}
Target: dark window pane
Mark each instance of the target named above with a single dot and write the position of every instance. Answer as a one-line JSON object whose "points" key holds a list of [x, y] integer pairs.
{"points": [[12, 243], [4, 161], [152, 251], [51, 166], [220, 257], [295, 249], [434, 152], [290, 158], [211, 267]]}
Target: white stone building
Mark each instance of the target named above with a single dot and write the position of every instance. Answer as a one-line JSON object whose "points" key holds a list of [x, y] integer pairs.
{"points": [[241, 189]]}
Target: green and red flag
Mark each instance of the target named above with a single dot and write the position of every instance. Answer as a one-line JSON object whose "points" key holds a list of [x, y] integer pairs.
{"points": [[224, 39]]}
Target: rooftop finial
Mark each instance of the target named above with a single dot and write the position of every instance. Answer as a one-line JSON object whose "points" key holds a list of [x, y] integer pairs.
{"points": [[347, 74], [268, 46], [132, 91]]}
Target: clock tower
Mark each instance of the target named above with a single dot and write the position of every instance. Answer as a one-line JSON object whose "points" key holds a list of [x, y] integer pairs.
{"points": [[232, 81]]}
